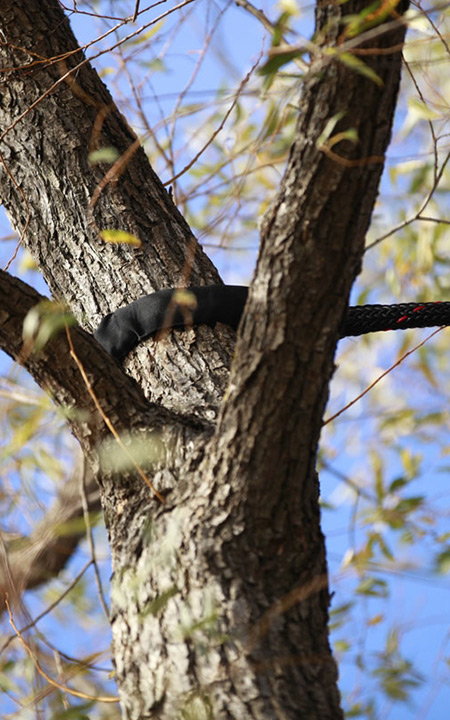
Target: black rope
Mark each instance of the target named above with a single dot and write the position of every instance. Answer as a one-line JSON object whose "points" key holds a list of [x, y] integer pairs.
{"points": [[362, 319], [120, 331]]}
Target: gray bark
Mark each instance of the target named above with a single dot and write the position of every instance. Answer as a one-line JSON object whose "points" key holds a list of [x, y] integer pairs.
{"points": [[220, 595], [70, 118]]}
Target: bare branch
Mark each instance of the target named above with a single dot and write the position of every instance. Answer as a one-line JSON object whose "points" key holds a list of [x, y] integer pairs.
{"points": [[32, 561]]}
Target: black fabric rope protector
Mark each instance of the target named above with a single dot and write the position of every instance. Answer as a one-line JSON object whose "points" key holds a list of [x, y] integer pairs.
{"points": [[120, 331]]}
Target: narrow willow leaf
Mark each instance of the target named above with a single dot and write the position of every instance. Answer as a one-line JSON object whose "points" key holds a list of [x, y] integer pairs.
{"points": [[120, 237], [359, 66]]}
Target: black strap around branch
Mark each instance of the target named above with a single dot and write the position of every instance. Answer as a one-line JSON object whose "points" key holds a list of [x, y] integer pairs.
{"points": [[120, 331]]}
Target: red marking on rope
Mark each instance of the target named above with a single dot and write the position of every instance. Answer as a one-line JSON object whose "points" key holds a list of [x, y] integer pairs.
{"points": [[402, 319], [419, 307]]}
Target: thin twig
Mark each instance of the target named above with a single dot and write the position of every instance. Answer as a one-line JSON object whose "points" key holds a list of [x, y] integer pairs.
{"points": [[108, 422], [90, 539], [41, 671], [217, 131], [418, 214], [380, 377]]}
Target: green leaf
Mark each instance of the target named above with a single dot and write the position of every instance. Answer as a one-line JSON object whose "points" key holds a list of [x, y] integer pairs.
{"points": [[373, 587], [384, 548], [280, 27], [44, 321], [277, 59], [74, 713], [142, 38], [342, 646], [410, 504], [421, 110], [360, 66], [398, 484], [157, 605], [328, 129], [371, 16], [443, 562], [103, 155]]}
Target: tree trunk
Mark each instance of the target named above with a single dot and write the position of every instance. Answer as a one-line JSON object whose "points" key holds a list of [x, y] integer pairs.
{"points": [[220, 594]]}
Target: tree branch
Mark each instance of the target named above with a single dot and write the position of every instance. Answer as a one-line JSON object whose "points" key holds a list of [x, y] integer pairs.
{"points": [[26, 563], [120, 398], [45, 69]]}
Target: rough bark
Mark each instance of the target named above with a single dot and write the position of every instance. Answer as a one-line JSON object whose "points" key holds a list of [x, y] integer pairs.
{"points": [[172, 438], [49, 193], [220, 598]]}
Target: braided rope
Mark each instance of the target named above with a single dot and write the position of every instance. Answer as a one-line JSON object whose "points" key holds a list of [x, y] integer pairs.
{"points": [[362, 319]]}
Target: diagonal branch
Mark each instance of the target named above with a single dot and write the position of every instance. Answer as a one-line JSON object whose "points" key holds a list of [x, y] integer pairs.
{"points": [[26, 563], [56, 370], [91, 275]]}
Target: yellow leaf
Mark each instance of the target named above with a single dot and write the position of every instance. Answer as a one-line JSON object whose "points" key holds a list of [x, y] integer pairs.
{"points": [[375, 620], [120, 237]]}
